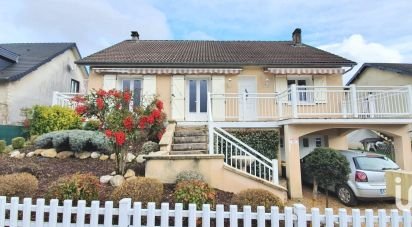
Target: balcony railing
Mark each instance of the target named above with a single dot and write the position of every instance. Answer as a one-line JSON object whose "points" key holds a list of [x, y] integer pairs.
{"points": [[314, 102], [64, 99]]}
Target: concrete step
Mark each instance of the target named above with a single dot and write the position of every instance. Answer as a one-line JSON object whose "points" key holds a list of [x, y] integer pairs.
{"points": [[184, 133], [188, 152], [189, 146], [182, 128], [190, 139]]}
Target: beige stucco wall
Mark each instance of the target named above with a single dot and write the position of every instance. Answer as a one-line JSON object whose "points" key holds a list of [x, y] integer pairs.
{"points": [[377, 77], [163, 90], [37, 87], [95, 81], [398, 184], [166, 169]]}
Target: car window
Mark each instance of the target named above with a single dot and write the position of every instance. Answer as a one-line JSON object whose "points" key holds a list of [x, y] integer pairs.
{"points": [[375, 163]]}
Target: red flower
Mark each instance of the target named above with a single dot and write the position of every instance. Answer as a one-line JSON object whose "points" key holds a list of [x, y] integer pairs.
{"points": [[120, 138], [80, 109], [78, 99], [108, 133], [150, 119], [156, 114], [127, 96], [159, 104], [101, 92], [142, 122], [128, 123], [100, 103]]}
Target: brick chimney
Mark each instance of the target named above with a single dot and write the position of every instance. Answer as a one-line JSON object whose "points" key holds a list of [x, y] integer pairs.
{"points": [[134, 35], [297, 37]]}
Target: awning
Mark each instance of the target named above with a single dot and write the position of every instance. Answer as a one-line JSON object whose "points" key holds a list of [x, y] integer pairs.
{"points": [[305, 70], [170, 70]]}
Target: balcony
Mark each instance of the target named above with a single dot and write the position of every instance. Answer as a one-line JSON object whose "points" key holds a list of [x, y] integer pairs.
{"points": [[313, 102]]}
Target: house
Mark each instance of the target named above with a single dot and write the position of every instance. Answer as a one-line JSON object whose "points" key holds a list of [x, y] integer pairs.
{"points": [[287, 85], [379, 74], [31, 72]]}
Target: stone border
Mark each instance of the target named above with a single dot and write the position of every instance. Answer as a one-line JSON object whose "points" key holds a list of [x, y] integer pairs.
{"points": [[184, 157]]}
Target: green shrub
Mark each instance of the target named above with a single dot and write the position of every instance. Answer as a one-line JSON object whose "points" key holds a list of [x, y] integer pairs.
{"points": [[194, 191], [44, 119], [91, 125], [262, 140], [75, 187], [150, 146], [256, 197], [18, 142], [18, 184], [140, 189], [3, 145], [189, 175], [74, 140]]}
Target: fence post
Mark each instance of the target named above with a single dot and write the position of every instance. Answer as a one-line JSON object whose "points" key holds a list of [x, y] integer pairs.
{"points": [[275, 170], [300, 212], [294, 100], [244, 99], [353, 100], [409, 98], [124, 208], [279, 108], [210, 123]]}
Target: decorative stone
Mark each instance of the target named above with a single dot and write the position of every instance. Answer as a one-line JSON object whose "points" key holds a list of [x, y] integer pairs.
{"points": [[130, 157], [95, 154], [82, 155], [117, 180], [104, 157], [64, 154], [113, 173], [21, 155], [30, 154], [38, 151], [49, 153], [14, 154], [131, 178], [140, 159], [113, 156], [105, 179], [129, 173]]}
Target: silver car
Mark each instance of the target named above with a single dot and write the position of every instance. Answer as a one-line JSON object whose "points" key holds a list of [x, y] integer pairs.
{"points": [[366, 180]]}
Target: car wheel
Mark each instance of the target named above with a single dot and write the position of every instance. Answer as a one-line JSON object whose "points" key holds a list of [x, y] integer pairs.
{"points": [[345, 195]]}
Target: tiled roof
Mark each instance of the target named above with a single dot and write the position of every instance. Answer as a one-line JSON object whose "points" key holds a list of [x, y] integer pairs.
{"points": [[30, 57], [402, 68], [213, 53]]}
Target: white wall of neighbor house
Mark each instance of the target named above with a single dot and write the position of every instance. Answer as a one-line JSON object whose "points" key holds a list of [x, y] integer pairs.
{"points": [[377, 77], [3, 103], [37, 87]]}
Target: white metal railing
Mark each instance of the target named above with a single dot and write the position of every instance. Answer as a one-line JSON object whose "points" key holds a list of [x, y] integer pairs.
{"points": [[366, 102], [64, 99], [243, 157], [14, 213]]}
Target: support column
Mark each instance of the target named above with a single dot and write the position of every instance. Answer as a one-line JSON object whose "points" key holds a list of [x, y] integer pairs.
{"points": [[403, 153], [292, 157]]}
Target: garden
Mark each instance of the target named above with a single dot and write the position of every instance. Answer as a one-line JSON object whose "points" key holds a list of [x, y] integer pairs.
{"points": [[96, 151]]}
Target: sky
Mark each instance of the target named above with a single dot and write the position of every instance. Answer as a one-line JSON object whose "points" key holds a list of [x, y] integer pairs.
{"points": [[360, 30]]}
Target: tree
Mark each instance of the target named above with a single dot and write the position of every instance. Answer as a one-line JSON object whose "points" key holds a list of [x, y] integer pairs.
{"points": [[122, 123], [327, 167]]}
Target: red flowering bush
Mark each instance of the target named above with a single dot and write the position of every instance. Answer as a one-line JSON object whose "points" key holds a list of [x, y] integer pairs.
{"points": [[120, 121]]}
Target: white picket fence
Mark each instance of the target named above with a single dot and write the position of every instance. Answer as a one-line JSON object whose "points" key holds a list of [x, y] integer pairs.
{"points": [[13, 213]]}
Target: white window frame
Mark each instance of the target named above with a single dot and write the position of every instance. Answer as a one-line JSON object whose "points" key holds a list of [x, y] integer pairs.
{"points": [[131, 78], [309, 82], [72, 83]]}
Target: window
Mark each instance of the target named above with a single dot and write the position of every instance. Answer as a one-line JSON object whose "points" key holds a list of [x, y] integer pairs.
{"points": [[74, 86], [318, 142], [303, 95], [305, 142], [281, 142], [135, 86]]}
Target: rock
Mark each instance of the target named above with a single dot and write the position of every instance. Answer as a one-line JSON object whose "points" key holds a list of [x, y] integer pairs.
{"points": [[113, 173], [95, 154], [140, 159], [49, 153], [104, 157], [130, 157], [64, 154], [113, 156], [82, 155], [38, 151], [131, 178], [30, 154], [14, 154], [21, 155], [8, 149], [105, 179], [117, 180], [129, 173]]}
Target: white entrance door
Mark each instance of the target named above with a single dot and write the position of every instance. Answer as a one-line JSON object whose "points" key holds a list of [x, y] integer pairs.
{"points": [[247, 104], [197, 100]]}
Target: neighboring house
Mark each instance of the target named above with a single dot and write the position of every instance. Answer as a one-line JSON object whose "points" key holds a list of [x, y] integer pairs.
{"points": [[287, 85], [379, 74], [31, 72]]}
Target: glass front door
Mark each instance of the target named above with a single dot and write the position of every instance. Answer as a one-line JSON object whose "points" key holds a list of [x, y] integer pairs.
{"points": [[197, 101]]}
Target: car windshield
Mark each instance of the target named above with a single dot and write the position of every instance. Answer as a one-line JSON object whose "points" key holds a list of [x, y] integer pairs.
{"points": [[375, 163]]}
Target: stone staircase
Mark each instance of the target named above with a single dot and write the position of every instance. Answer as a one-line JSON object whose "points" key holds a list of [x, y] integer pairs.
{"points": [[190, 140]]}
